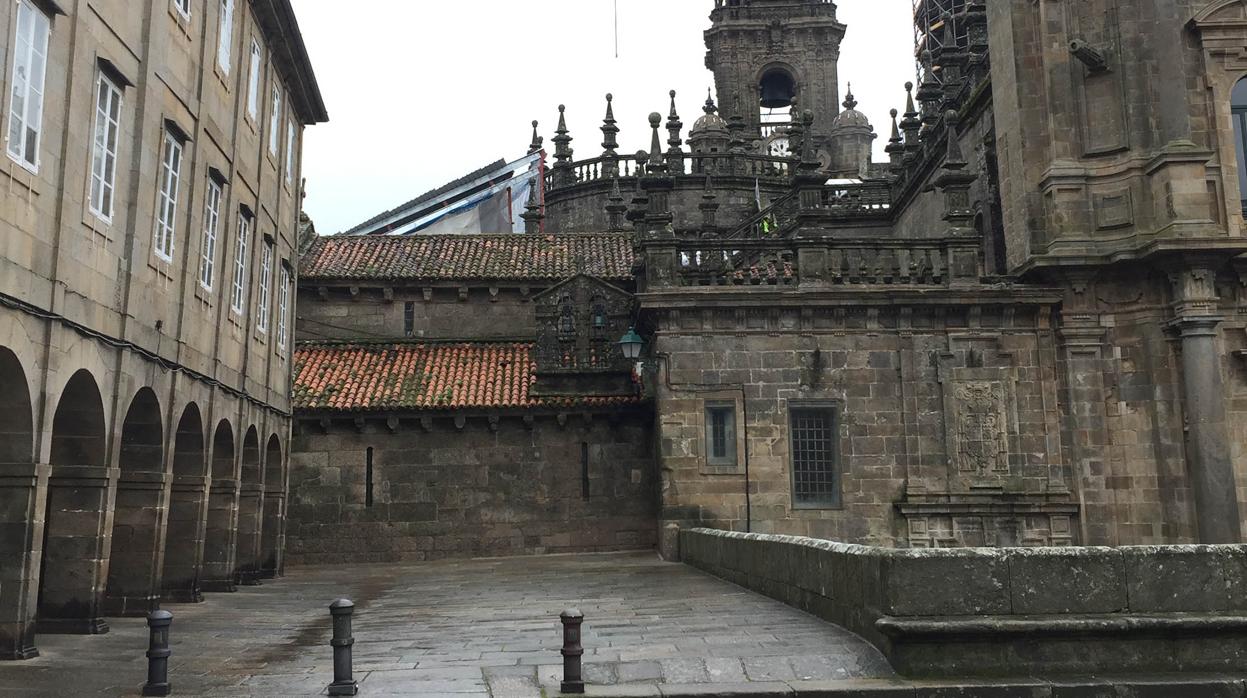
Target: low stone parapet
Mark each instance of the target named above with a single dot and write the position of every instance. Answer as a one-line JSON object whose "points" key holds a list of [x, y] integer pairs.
{"points": [[1008, 611]]}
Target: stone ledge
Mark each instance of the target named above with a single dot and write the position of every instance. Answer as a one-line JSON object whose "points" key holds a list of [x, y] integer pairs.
{"points": [[1065, 626], [1001, 612], [1203, 686]]}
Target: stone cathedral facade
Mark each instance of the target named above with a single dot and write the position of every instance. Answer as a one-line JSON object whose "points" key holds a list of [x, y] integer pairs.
{"points": [[1026, 328]]}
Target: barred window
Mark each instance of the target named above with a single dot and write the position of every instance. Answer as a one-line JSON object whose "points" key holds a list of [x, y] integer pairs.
{"points": [[813, 434]]}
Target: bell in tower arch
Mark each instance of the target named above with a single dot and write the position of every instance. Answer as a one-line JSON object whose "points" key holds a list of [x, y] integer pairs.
{"points": [[778, 89]]}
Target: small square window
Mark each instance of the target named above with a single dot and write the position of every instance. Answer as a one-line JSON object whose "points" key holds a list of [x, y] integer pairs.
{"points": [[721, 434]]}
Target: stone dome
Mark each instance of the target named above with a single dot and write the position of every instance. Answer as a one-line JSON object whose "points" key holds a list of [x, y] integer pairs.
{"points": [[710, 125], [850, 117]]}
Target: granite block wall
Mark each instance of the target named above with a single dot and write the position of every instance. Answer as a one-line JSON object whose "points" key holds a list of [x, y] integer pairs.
{"points": [[472, 488]]}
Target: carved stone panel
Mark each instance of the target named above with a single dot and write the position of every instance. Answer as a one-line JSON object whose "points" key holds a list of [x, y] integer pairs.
{"points": [[981, 429]]}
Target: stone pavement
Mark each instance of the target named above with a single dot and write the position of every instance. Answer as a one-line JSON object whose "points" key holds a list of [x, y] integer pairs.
{"points": [[484, 628]]}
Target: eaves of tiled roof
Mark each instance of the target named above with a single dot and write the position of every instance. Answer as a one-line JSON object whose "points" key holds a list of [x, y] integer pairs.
{"points": [[360, 378], [433, 258]]}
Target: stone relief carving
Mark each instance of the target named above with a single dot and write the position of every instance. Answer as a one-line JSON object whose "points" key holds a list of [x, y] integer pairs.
{"points": [[982, 428]]}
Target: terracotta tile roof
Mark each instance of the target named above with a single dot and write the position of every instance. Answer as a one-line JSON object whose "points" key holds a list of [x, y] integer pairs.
{"points": [[463, 257], [384, 377]]}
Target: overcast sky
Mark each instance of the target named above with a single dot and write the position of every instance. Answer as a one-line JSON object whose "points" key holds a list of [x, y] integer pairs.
{"points": [[420, 93]]}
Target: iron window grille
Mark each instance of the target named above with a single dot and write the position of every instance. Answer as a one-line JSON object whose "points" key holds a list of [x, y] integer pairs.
{"points": [[813, 433]]}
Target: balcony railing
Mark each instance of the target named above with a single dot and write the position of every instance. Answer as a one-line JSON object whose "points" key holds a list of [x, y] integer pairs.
{"points": [[816, 262], [718, 164]]}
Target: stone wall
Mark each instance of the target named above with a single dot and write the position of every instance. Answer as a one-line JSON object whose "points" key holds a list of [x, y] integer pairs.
{"points": [[901, 397], [469, 313], [444, 488], [998, 612]]}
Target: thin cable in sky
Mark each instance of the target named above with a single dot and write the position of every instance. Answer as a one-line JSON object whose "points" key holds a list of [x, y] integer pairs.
{"points": [[616, 28]]}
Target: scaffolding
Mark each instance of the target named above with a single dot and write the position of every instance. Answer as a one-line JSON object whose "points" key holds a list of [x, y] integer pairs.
{"points": [[929, 26]]}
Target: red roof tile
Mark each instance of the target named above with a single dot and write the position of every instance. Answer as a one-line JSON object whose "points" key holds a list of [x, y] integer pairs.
{"points": [[383, 377], [459, 257]]}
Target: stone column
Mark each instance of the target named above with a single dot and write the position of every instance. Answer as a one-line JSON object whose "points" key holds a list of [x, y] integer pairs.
{"points": [[134, 569], [76, 544], [22, 500], [250, 513], [1203, 398], [221, 537], [272, 535], [184, 540]]}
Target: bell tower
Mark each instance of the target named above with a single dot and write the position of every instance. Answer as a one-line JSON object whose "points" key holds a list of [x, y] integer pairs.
{"points": [[768, 54]]}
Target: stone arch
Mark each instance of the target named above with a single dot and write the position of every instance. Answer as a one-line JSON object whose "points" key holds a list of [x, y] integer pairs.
{"points": [[74, 534], [134, 563], [18, 574], [220, 538], [272, 538], [250, 510], [183, 544]]}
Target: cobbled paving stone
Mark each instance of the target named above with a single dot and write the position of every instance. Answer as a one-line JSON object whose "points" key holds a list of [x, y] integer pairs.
{"points": [[462, 629]]}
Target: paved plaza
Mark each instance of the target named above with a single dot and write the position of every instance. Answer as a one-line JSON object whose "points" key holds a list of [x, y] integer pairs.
{"points": [[466, 628]]}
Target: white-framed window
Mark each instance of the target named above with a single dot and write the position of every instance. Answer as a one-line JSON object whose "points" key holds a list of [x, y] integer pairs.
{"points": [[104, 149], [283, 307], [238, 294], [207, 250], [183, 7], [253, 82], [167, 198], [274, 123], [30, 64], [266, 280], [291, 135], [225, 36]]}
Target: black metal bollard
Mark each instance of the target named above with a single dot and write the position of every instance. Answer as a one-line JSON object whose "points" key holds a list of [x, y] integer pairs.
{"points": [[573, 680], [343, 682], [158, 623]]}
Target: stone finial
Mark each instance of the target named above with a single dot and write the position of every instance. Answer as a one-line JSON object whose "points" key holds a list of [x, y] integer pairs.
{"points": [[910, 123], [615, 207], [534, 213], [657, 164], [849, 102], [709, 107], [563, 151], [675, 155], [896, 146], [538, 142], [610, 129]]}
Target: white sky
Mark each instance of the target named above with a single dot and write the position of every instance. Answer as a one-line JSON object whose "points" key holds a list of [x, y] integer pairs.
{"points": [[422, 92]]}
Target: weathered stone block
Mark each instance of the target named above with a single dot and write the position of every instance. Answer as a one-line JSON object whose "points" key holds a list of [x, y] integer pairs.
{"points": [[1066, 580], [944, 582], [1186, 578]]}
